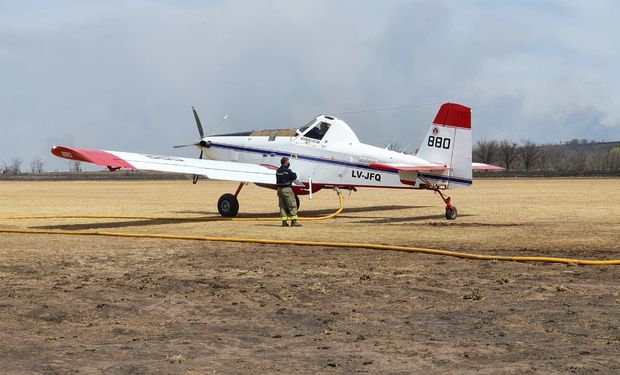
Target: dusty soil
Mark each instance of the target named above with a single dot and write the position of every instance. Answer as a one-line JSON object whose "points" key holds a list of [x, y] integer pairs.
{"points": [[141, 306]]}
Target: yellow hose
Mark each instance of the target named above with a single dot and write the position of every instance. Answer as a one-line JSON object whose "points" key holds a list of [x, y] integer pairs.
{"points": [[291, 242], [197, 218], [324, 244]]}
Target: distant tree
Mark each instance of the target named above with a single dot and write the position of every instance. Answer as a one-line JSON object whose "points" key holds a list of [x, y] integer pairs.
{"points": [[579, 161], [507, 153], [12, 167], [613, 158], [529, 153], [485, 151], [600, 160], [36, 166], [553, 157], [75, 166]]}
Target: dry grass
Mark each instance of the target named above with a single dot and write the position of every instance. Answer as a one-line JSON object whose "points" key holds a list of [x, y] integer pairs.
{"points": [[572, 215], [125, 306]]}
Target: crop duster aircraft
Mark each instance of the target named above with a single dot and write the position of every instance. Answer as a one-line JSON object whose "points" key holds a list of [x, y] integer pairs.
{"points": [[325, 153]]}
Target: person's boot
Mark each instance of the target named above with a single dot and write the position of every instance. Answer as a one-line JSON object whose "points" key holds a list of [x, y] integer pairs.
{"points": [[284, 223], [294, 223]]}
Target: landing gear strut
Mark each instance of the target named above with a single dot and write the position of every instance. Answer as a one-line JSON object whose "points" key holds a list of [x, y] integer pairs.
{"points": [[228, 204]]}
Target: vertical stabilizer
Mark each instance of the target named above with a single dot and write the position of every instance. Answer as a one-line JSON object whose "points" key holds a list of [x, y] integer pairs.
{"points": [[448, 142]]}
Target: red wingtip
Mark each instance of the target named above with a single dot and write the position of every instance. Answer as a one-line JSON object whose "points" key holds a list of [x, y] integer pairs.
{"points": [[98, 157], [452, 114]]}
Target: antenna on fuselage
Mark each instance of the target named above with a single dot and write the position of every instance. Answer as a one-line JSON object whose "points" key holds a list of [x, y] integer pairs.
{"points": [[217, 127]]}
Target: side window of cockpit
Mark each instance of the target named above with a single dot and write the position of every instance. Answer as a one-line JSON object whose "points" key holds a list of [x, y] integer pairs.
{"points": [[318, 132]]}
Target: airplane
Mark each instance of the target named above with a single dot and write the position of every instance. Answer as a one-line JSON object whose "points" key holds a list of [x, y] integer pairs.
{"points": [[324, 153]]}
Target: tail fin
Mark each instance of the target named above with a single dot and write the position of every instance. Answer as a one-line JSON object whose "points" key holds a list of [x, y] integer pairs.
{"points": [[448, 142]]}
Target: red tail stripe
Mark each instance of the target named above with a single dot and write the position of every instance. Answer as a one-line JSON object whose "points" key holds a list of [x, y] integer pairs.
{"points": [[452, 114], [98, 157]]}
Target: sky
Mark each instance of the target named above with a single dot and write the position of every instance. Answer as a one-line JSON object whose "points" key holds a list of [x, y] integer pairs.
{"points": [[123, 75]]}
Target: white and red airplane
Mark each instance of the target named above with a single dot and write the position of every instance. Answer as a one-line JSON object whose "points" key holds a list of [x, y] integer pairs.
{"points": [[325, 153]]}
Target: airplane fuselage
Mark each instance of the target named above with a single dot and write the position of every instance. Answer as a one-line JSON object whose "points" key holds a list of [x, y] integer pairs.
{"points": [[324, 163]]}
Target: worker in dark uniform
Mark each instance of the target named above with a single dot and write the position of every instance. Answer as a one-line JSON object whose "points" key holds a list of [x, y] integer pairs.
{"points": [[286, 197]]}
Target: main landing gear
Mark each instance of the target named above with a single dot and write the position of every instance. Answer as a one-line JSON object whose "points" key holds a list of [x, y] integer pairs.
{"points": [[228, 204]]}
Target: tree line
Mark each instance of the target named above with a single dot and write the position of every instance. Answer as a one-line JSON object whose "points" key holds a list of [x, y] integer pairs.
{"points": [[15, 166], [527, 155]]}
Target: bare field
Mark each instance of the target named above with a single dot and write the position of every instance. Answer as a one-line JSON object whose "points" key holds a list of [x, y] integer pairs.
{"points": [[112, 305]]}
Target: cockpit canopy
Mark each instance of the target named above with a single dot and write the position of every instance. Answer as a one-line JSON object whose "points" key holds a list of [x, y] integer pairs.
{"points": [[314, 129], [327, 128]]}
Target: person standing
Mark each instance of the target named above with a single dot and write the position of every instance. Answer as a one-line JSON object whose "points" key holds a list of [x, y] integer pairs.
{"points": [[284, 179]]}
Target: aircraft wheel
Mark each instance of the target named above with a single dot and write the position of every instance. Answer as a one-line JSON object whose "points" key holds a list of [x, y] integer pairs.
{"points": [[451, 213], [228, 205], [297, 201]]}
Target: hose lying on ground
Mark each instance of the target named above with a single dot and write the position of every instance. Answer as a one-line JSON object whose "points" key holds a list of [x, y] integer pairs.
{"points": [[369, 246]]}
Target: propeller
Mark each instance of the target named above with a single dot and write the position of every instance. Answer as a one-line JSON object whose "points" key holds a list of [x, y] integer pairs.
{"points": [[202, 143], [202, 135]]}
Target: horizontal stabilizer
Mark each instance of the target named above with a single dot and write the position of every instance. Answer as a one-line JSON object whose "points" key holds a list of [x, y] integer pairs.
{"points": [[410, 167], [212, 169], [485, 167]]}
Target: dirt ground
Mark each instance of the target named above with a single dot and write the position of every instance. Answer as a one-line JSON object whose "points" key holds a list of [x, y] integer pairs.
{"points": [[75, 304]]}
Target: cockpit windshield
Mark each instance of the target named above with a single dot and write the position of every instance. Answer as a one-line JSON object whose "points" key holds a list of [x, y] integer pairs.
{"points": [[303, 129], [316, 132]]}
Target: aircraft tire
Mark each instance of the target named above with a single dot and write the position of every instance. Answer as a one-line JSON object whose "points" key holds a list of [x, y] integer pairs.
{"points": [[451, 213], [228, 205], [297, 201]]}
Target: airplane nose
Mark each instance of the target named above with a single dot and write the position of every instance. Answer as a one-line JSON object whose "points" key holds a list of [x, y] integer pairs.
{"points": [[205, 144]]}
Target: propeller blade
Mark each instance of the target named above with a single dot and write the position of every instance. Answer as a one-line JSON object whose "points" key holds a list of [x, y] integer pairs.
{"points": [[192, 145], [198, 124], [195, 179]]}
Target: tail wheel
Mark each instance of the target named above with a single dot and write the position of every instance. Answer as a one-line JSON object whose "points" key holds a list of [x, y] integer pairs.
{"points": [[451, 213], [228, 205]]}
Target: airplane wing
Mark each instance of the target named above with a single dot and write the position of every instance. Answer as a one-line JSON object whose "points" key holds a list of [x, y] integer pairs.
{"points": [[485, 167], [212, 169]]}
